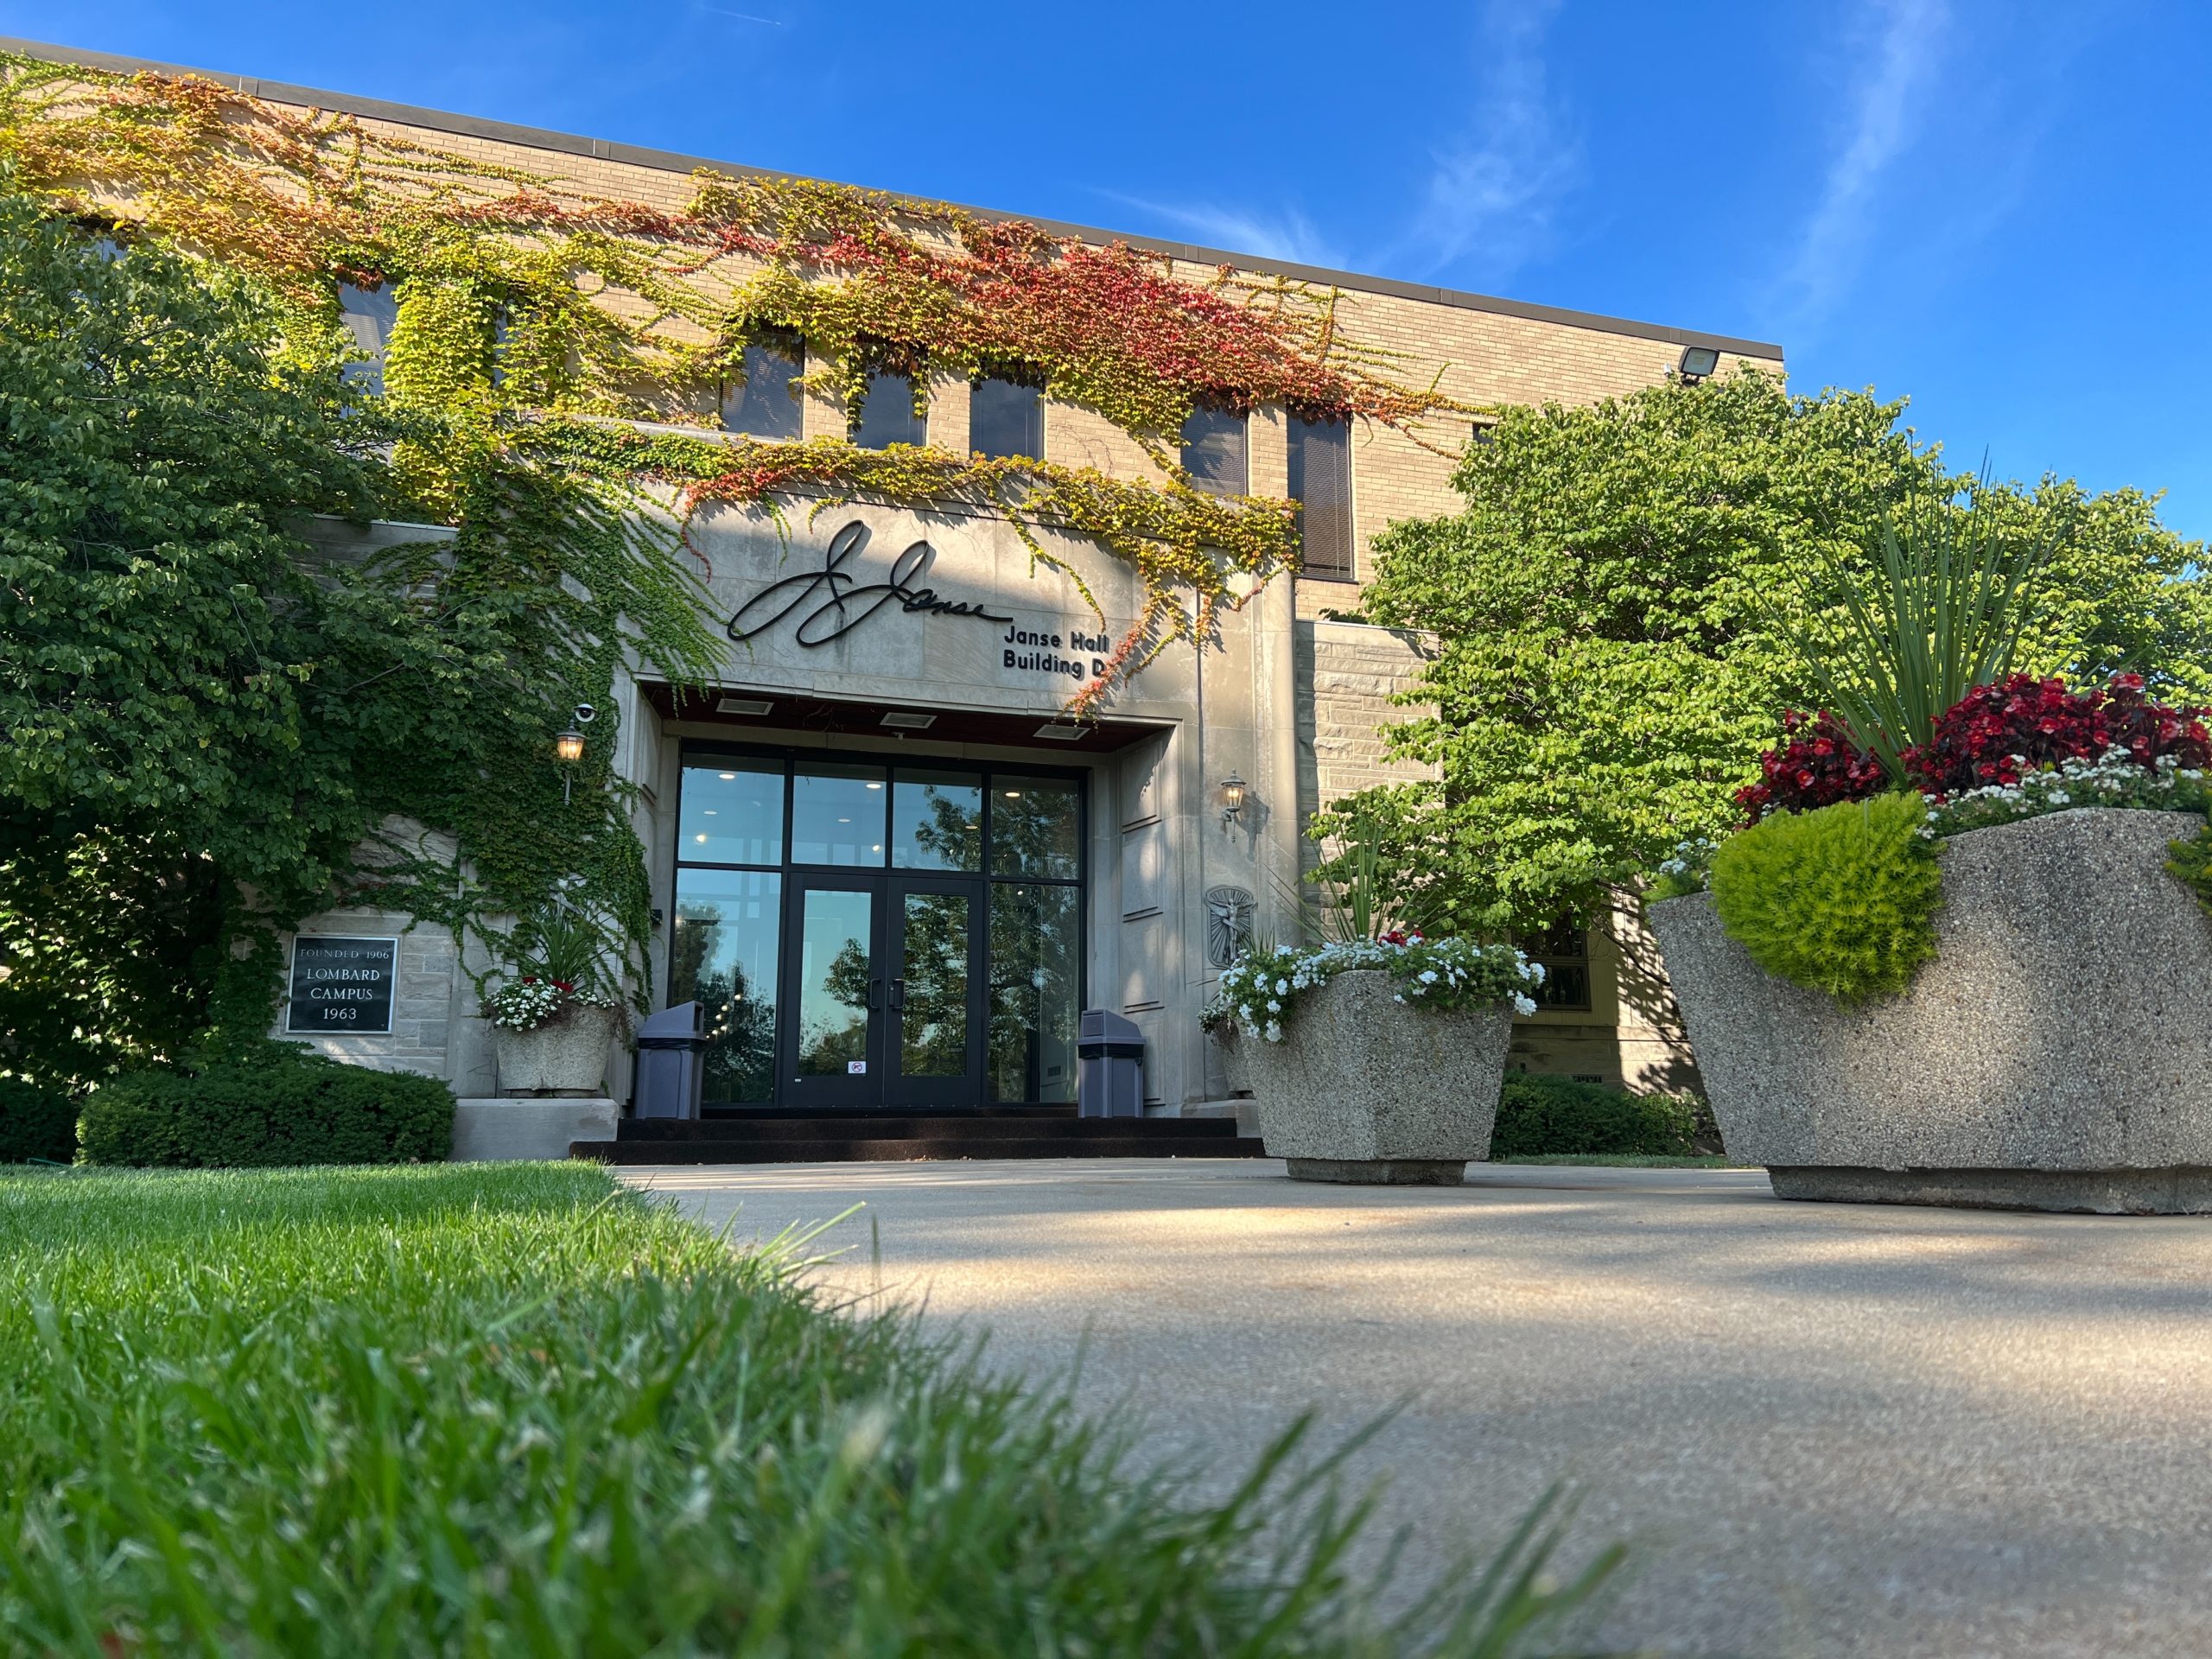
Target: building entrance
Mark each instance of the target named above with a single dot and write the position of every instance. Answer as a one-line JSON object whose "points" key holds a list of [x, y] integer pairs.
{"points": [[874, 936]]}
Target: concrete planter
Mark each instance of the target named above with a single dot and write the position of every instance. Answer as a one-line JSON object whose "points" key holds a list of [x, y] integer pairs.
{"points": [[1229, 1044], [2056, 1055], [1364, 1088], [565, 1057]]}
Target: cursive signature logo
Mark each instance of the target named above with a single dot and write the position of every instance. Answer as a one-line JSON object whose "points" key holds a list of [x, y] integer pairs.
{"points": [[844, 601]]}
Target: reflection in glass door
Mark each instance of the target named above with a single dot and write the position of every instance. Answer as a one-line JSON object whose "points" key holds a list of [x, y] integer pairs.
{"points": [[938, 1049], [834, 994]]}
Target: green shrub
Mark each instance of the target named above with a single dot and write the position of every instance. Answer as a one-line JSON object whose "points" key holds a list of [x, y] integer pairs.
{"points": [[1842, 899], [1540, 1116], [275, 1104], [36, 1122], [2192, 863]]}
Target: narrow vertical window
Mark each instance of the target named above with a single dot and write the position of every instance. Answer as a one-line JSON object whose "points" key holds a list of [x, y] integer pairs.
{"points": [[1320, 481], [888, 414], [1214, 451], [765, 404], [368, 315], [1006, 419], [1565, 954]]}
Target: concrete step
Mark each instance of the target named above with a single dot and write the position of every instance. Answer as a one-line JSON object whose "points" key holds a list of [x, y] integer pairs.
{"points": [[847, 1148], [770, 1127]]}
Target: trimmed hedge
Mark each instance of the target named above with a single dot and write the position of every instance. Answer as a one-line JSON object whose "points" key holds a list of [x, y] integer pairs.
{"points": [[1544, 1117], [36, 1122], [279, 1104]]}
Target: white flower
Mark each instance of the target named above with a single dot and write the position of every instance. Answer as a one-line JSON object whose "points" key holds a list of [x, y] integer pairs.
{"points": [[1523, 1006], [1273, 1033], [1274, 1007], [1429, 975], [1282, 987], [1396, 997]]}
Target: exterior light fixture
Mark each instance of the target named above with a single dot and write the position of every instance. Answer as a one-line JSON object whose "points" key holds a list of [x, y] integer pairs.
{"points": [[1232, 798], [568, 746], [1698, 362]]}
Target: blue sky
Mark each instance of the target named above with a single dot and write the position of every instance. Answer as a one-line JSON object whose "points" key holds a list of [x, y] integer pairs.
{"points": [[2000, 209]]}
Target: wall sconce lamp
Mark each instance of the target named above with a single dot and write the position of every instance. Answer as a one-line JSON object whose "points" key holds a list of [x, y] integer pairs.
{"points": [[1232, 798], [569, 746], [1698, 362]]}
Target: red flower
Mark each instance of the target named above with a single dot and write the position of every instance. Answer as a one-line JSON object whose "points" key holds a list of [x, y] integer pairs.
{"points": [[1817, 768], [1995, 732]]}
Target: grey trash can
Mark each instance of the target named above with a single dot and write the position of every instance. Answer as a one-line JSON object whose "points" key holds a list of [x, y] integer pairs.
{"points": [[672, 1062], [1109, 1051]]}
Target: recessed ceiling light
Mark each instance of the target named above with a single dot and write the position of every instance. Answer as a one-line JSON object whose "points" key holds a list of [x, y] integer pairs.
{"points": [[744, 706], [1013, 794], [875, 785], [906, 720], [727, 777], [1061, 731], [698, 837]]}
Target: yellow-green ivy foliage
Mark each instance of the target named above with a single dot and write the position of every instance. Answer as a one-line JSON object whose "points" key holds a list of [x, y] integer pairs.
{"points": [[1842, 899]]}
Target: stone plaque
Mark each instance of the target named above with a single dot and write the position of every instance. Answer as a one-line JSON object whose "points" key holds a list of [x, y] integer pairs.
{"points": [[341, 984]]}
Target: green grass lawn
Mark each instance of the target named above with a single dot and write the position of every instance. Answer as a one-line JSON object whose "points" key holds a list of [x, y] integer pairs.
{"points": [[518, 1409]]}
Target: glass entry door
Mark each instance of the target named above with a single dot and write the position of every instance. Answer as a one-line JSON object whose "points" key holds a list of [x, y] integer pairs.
{"points": [[934, 1046], [870, 935], [834, 1001]]}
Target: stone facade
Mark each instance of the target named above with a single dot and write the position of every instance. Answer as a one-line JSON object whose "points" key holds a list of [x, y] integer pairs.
{"points": [[1287, 699]]}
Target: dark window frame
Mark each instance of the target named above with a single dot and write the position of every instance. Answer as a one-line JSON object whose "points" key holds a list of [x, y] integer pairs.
{"points": [[788, 346], [1032, 384], [1295, 453], [698, 751]]}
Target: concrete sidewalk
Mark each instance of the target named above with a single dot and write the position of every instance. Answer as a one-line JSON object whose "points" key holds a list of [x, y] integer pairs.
{"points": [[1825, 1429]]}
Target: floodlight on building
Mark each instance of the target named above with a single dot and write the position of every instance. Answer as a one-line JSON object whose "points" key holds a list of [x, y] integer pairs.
{"points": [[1698, 362]]}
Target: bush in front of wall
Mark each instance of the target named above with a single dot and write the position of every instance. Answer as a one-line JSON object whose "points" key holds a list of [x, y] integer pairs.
{"points": [[1842, 899], [36, 1122], [1546, 1116], [273, 1104]]}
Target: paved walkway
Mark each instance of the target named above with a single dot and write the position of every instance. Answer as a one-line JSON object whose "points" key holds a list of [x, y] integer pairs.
{"points": [[1825, 1429]]}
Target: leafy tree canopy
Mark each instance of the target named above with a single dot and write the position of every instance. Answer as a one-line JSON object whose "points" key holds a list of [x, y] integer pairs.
{"points": [[1608, 607], [212, 728]]}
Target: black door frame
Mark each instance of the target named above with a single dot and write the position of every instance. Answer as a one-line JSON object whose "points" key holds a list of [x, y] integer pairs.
{"points": [[881, 1089]]}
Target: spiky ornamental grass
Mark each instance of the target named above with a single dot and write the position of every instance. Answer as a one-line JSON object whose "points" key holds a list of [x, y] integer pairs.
{"points": [[519, 1410]]}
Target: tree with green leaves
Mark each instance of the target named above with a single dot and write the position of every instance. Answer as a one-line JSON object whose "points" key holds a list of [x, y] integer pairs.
{"points": [[1614, 612], [212, 728]]}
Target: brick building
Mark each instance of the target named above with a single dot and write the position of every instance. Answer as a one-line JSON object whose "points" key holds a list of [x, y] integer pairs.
{"points": [[804, 809]]}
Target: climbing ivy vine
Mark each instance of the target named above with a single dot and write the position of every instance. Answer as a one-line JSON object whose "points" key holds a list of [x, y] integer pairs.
{"points": [[538, 323]]}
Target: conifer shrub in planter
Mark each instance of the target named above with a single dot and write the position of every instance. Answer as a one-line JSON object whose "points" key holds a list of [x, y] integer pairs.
{"points": [[1960, 953], [266, 1105], [1377, 1060]]}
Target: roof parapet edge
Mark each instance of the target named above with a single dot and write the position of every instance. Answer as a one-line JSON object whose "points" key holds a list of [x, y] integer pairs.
{"points": [[471, 126]]}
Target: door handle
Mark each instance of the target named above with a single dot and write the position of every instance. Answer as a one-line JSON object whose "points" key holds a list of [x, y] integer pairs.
{"points": [[898, 995], [875, 994]]}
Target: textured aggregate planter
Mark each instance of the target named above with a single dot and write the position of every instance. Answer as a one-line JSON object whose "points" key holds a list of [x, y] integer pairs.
{"points": [[565, 1057], [1365, 1089], [2056, 1055]]}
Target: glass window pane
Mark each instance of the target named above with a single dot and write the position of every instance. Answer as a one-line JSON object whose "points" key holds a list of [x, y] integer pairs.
{"points": [[888, 414], [1006, 419], [731, 812], [838, 814], [936, 820], [1035, 990], [728, 926], [1320, 477], [834, 969], [764, 406], [933, 970], [1035, 827], [368, 315], [1213, 451]]}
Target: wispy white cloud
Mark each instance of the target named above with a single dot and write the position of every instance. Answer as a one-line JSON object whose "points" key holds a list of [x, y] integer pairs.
{"points": [[1287, 235], [1496, 186], [1891, 68]]}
